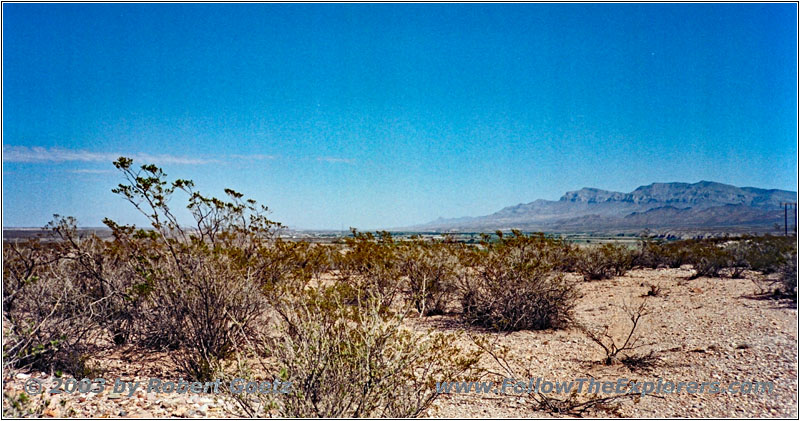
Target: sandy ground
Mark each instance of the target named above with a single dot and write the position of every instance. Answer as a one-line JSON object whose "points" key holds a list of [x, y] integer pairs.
{"points": [[700, 330]]}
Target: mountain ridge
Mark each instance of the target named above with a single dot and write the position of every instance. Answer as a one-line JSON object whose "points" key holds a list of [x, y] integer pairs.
{"points": [[657, 205]]}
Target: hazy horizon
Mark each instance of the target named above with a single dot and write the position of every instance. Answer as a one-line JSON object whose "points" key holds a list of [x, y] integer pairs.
{"points": [[391, 115]]}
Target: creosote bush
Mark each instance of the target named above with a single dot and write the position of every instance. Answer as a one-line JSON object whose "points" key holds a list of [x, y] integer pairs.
{"points": [[716, 257], [56, 299], [787, 279], [512, 285], [603, 262], [346, 360], [655, 254], [431, 270], [370, 264], [198, 285]]}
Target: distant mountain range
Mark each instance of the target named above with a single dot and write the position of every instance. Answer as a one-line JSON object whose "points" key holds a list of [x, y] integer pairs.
{"points": [[704, 206]]}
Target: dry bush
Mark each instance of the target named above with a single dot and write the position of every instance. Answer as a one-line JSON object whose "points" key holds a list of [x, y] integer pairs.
{"points": [[47, 323], [655, 254], [370, 264], [62, 297], [604, 262], [787, 280], [622, 351], [713, 257], [708, 259], [281, 260], [574, 405], [737, 253], [347, 360], [207, 316], [512, 285], [431, 269], [767, 253], [197, 288]]}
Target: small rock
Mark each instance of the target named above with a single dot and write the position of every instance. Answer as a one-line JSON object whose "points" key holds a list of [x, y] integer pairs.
{"points": [[52, 413]]}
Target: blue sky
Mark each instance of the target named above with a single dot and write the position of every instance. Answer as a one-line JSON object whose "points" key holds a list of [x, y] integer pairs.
{"points": [[338, 115]]}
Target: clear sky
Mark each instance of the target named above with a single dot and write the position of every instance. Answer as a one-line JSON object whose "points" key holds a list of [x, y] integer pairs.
{"points": [[339, 115]]}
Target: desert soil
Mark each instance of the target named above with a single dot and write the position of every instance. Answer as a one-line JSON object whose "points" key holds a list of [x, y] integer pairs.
{"points": [[701, 330]]}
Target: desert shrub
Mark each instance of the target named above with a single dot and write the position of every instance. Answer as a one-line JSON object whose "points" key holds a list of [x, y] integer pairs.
{"points": [[709, 263], [649, 254], [62, 293], [431, 270], [371, 264], [622, 350], [282, 266], [197, 286], [737, 253], [512, 285], [96, 266], [708, 258], [604, 262], [206, 316], [787, 280], [654, 254], [47, 325], [766, 253], [351, 361]]}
